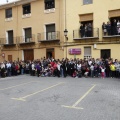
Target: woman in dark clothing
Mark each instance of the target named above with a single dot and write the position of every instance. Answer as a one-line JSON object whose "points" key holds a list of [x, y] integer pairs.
{"points": [[38, 68], [64, 66]]}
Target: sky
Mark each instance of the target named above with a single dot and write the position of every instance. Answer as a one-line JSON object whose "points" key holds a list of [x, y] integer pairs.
{"points": [[5, 1]]}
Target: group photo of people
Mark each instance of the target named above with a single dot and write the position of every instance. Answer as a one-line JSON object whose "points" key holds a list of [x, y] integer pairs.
{"points": [[76, 68]]}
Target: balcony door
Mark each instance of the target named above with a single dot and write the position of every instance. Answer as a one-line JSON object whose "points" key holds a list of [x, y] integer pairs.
{"points": [[50, 32], [10, 37], [28, 34]]}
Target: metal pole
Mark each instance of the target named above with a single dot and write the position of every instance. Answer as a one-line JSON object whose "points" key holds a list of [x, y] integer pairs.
{"points": [[66, 47], [65, 28]]}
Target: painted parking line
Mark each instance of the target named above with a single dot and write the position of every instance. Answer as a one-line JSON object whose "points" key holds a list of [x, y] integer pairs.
{"points": [[76, 103], [16, 85], [24, 98]]}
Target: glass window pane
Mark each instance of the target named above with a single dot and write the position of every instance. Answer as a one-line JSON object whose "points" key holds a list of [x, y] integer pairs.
{"points": [[8, 13], [87, 2]]}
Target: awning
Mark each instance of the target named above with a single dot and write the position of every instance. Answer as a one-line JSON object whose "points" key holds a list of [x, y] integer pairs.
{"points": [[86, 17], [114, 13]]}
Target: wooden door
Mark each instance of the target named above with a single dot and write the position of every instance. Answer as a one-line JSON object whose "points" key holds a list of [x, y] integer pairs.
{"points": [[29, 55], [10, 58]]}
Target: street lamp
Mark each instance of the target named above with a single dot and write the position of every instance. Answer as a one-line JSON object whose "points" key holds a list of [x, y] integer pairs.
{"points": [[66, 38], [65, 34]]}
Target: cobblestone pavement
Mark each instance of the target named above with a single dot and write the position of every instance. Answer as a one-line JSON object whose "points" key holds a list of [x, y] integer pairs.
{"points": [[50, 98]]}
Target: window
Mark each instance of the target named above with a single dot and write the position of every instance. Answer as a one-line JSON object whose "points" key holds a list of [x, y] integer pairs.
{"points": [[26, 9], [50, 32], [10, 36], [49, 4], [8, 13], [87, 52], [28, 34], [87, 2]]}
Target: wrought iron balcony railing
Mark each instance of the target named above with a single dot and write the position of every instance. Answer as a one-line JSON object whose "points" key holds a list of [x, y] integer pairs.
{"points": [[86, 34], [48, 36], [109, 33], [8, 41], [25, 39]]}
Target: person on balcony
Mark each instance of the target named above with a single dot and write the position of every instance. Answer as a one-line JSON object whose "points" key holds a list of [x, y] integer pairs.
{"points": [[109, 28], [114, 27], [104, 28], [89, 29], [82, 30], [118, 27], [86, 31]]}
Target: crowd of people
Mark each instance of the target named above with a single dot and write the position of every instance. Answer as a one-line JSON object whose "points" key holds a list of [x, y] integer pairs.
{"points": [[111, 28], [76, 68]]}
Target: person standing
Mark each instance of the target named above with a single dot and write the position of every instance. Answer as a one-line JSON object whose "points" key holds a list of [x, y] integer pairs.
{"points": [[104, 28], [82, 30], [89, 29], [109, 28], [102, 72], [2, 66], [8, 66]]}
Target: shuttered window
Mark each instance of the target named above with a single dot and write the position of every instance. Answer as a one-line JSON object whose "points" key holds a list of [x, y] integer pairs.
{"points": [[87, 52]]}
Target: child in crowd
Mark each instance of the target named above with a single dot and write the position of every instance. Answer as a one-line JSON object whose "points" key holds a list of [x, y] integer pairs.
{"points": [[102, 72], [75, 74]]}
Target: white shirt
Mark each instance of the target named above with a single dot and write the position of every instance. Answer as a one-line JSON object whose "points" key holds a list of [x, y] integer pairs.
{"points": [[33, 67], [8, 65]]}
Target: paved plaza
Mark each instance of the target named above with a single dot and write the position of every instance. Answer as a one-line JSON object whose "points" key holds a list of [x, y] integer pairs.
{"points": [[26, 97]]}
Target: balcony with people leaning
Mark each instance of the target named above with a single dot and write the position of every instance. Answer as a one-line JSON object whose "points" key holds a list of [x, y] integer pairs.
{"points": [[86, 31], [111, 28]]}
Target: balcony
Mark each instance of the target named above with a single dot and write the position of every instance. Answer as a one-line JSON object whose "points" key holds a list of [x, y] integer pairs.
{"points": [[111, 34], [48, 37], [8, 41], [84, 35], [26, 39]]}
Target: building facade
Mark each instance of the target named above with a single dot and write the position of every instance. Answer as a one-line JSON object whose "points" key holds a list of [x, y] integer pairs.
{"points": [[32, 30], [35, 29], [93, 40]]}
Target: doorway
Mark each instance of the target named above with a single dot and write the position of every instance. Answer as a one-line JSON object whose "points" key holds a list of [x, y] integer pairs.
{"points": [[10, 58], [50, 53], [105, 53], [29, 55]]}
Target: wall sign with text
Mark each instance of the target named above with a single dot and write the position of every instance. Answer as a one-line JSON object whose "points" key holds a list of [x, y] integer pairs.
{"points": [[75, 51]]}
